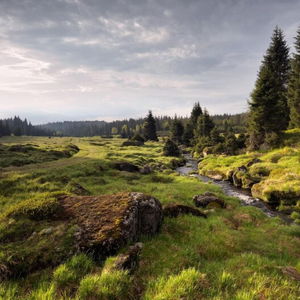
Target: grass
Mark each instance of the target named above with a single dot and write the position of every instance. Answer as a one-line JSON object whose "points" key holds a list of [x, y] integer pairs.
{"points": [[236, 253], [278, 173]]}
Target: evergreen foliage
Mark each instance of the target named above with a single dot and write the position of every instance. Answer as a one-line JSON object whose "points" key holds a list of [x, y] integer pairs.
{"points": [[171, 149], [188, 134], [177, 130], [196, 113], [268, 105], [294, 86], [125, 132], [16, 126], [150, 128], [204, 125]]}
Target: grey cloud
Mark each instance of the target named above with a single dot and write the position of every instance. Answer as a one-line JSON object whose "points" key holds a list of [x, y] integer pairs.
{"points": [[200, 50]]}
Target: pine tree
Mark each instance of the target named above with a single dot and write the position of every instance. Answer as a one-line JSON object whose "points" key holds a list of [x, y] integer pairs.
{"points": [[269, 112], [215, 136], [177, 130], [204, 125], [188, 134], [150, 128], [195, 114], [294, 86]]}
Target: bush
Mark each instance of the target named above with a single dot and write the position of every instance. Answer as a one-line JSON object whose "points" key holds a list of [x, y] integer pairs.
{"points": [[171, 149], [137, 137], [132, 143], [202, 143], [108, 285]]}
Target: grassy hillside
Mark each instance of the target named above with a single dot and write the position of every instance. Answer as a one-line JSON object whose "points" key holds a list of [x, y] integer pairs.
{"points": [[236, 253], [276, 175]]}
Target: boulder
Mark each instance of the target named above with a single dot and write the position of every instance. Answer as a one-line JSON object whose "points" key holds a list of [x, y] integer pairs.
{"points": [[214, 175], [126, 166], [99, 225], [208, 199], [242, 179], [109, 222], [129, 260], [146, 170], [174, 210], [252, 162]]}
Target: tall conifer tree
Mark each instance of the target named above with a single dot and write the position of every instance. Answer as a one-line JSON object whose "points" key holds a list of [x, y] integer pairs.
{"points": [[269, 111], [204, 125], [195, 114], [177, 130], [294, 86], [150, 128]]}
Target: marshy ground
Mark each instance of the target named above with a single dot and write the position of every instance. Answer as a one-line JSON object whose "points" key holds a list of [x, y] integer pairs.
{"points": [[235, 253]]}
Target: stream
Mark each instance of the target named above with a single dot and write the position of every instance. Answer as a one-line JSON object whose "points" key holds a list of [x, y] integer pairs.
{"points": [[191, 166]]}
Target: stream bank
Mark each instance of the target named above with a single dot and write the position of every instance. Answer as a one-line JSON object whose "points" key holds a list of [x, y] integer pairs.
{"points": [[191, 169]]}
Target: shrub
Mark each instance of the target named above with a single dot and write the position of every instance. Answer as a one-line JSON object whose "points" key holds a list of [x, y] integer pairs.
{"points": [[202, 143], [137, 137], [171, 149], [108, 285], [132, 143]]}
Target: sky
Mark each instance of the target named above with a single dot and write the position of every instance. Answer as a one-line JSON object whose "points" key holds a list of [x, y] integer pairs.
{"points": [[116, 59]]}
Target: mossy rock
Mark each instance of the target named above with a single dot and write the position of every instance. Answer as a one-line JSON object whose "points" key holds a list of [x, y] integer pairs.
{"points": [[99, 225]]}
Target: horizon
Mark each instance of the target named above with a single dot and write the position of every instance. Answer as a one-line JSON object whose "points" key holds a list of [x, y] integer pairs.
{"points": [[114, 60]]}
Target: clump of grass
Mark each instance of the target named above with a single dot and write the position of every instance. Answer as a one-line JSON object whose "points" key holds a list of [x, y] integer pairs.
{"points": [[185, 285], [44, 292], [67, 275], [108, 285]]}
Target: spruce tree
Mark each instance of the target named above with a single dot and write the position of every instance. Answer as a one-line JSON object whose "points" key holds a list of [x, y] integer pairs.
{"points": [[294, 86], [195, 114], [269, 111], [204, 125], [188, 134], [177, 130], [150, 128], [171, 149]]}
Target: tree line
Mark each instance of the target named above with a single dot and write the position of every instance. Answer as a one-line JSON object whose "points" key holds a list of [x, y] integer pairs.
{"points": [[274, 106], [16, 126]]}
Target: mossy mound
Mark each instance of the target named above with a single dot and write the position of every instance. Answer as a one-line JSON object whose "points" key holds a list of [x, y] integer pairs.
{"points": [[22, 154], [100, 225]]}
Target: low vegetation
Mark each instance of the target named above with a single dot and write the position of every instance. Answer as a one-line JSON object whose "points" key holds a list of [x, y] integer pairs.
{"points": [[274, 175], [235, 253]]}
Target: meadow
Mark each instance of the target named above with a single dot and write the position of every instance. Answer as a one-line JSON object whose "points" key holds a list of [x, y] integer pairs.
{"points": [[236, 253]]}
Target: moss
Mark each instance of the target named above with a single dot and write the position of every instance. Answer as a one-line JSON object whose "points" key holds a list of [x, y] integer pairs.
{"points": [[239, 248]]}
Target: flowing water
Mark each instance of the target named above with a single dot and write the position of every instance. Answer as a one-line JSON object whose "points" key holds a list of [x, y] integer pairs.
{"points": [[245, 196]]}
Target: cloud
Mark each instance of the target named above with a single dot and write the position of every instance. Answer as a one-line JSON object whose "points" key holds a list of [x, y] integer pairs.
{"points": [[113, 58]]}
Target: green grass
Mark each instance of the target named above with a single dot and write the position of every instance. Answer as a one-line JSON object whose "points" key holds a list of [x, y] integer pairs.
{"points": [[278, 172], [236, 253]]}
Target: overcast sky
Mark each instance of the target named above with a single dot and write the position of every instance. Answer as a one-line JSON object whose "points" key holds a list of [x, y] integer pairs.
{"points": [[106, 59]]}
